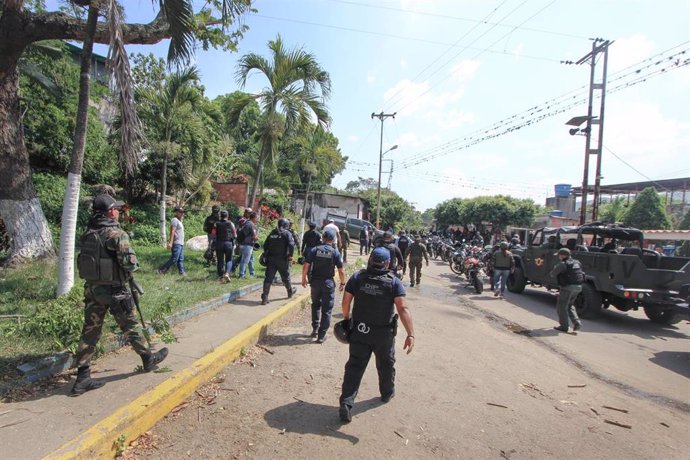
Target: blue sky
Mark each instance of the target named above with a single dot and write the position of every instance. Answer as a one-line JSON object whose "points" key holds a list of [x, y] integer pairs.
{"points": [[447, 73]]}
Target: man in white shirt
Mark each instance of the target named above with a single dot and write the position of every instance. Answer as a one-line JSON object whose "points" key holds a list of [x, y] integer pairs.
{"points": [[331, 225], [176, 244]]}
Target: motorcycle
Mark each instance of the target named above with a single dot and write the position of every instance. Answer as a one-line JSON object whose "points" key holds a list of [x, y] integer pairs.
{"points": [[472, 267], [456, 262]]}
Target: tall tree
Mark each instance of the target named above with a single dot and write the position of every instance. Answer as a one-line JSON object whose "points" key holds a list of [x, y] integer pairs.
{"points": [[71, 201], [647, 212], [293, 79], [20, 26]]}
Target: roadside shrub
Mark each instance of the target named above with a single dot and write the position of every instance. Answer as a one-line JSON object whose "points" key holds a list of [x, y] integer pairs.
{"points": [[59, 321]]}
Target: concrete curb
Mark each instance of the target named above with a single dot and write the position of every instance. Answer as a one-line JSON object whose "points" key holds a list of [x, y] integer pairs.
{"points": [[134, 419], [34, 371]]}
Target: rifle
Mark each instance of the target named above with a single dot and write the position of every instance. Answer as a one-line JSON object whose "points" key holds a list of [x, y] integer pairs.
{"points": [[136, 291]]}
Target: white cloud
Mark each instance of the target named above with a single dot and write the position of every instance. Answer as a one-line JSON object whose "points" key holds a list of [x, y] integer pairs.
{"points": [[465, 70], [629, 50], [517, 51]]}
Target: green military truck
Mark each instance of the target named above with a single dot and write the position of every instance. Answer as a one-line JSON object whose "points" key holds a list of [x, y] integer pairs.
{"points": [[620, 273]]}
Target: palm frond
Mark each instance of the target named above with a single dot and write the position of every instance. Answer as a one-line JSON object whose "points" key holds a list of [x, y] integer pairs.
{"points": [[250, 62], [180, 16], [131, 131]]}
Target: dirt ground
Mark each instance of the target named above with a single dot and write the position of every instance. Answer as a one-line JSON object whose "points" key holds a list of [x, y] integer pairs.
{"points": [[472, 388]]}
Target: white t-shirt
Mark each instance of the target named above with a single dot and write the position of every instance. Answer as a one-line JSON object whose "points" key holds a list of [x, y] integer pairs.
{"points": [[179, 230], [335, 228]]}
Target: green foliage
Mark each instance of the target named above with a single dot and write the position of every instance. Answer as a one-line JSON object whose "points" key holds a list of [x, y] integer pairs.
{"points": [[395, 211], [59, 321], [499, 210], [685, 223], [613, 211], [647, 212], [49, 122], [51, 192], [361, 185]]}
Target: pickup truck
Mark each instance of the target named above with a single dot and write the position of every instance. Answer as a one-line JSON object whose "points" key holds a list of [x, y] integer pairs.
{"points": [[619, 272]]}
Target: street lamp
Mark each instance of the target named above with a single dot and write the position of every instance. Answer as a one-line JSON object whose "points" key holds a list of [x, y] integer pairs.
{"points": [[378, 192]]}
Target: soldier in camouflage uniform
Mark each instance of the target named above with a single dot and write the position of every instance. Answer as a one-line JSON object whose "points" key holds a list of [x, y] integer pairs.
{"points": [[106, 262], [415, 252]]}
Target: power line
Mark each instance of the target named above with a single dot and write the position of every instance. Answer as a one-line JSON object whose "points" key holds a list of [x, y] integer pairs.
{"points": [[458, 18], [479, 23], [635, 169], [481, 51], [399, 37], [546, 110]]}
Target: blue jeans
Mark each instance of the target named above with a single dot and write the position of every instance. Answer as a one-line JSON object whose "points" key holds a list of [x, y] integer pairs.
{"points": [[246, 258], [176, 257], [502, 276]]}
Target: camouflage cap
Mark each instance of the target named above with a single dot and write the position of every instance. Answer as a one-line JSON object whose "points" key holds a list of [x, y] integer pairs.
{"points": [[563, 252]]}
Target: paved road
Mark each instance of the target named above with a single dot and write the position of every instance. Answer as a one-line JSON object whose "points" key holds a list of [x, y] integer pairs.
{"points": [[476, 386]]}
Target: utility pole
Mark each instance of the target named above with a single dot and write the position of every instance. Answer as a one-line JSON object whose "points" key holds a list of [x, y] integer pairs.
{"points": [[381, 116], [599, 46]]}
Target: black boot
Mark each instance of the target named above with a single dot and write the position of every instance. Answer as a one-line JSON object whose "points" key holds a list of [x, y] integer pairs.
{"points": [[150, 360], [84, 382], [264, 299], [290, 290]]}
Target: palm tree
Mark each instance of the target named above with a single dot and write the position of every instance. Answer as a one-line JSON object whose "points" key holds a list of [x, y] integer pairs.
{"points": [[288, 101], [171, 109]]}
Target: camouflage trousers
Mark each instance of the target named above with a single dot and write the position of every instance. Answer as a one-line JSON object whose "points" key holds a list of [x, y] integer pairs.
{"points": [[415, 270], [99, 300]]}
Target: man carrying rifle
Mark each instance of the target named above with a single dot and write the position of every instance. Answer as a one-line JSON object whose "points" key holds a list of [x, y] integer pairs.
{"points": [[106, 263]]}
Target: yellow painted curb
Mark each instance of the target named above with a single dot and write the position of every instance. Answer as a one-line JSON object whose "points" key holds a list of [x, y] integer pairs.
{"points": [[137, 417]]}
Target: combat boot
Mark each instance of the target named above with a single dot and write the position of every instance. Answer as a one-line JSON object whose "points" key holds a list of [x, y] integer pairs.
{"points": [[264, 299], [150, 360], [84, 382], [290, 291]]}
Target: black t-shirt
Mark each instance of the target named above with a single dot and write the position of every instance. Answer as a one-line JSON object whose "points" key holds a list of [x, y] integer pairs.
{"points": [[225, 231]]}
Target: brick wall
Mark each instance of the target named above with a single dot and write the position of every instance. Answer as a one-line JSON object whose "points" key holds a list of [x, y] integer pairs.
{"points": [[236, 193]]}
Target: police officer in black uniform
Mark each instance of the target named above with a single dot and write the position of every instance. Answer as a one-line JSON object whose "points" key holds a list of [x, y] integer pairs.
{"points": [[310, 239], [377, 295], [279, 248], [396, 257], [322, 261], [225, 233], [403, 243]]}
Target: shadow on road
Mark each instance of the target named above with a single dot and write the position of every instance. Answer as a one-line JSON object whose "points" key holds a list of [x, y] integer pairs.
{"points": [[543, 303], [286, 340], [676, 361], [308, 418]]}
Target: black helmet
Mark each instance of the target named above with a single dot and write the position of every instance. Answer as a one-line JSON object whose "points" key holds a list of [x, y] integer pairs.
{"points": [[312, 224], [283, 223], [215, 208], [341, 331]]}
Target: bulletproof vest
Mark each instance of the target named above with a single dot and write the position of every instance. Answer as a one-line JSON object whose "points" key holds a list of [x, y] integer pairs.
{"points": [[224, 231], [210, 222], [394, 260], [277, 245], [374, 299], [573, 273], [416, 251], [323, 265], [403, 243], [95, 264]]}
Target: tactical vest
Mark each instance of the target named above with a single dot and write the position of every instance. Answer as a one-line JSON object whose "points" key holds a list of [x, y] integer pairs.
{"points": [[374, 299], [95, 263], [393, 264], [225, 231], [323, 265], [403, 243], [277, 244], [573, 273]]}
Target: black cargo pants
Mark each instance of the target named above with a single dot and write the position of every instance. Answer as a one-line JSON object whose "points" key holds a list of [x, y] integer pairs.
{"points": [[364, 341], [282, 266]]}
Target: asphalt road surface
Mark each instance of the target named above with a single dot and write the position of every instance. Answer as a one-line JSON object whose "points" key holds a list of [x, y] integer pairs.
{"points": [[488, 378]]}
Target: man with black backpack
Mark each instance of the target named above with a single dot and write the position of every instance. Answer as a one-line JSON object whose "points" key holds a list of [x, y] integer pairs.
{"points": [[107, 262], [570, 277], [209, 222], [224, 233]]}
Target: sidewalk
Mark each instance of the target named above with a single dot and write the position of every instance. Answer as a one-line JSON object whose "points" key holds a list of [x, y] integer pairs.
{"points": [[43, 422]]}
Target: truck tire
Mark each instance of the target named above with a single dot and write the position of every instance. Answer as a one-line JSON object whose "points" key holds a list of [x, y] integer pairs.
{"points": [[517, 281], [661, 316], [589, 303]]}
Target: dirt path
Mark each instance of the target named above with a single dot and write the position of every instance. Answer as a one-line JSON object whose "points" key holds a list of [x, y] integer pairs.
{"points": [[470, 389]]}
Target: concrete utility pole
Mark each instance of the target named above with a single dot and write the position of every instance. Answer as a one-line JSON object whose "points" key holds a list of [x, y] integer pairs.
{"points": [[598, 46], [381, 116]]}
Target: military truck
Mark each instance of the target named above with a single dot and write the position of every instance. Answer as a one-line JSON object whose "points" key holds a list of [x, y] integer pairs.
{"points": [[620, 273]]}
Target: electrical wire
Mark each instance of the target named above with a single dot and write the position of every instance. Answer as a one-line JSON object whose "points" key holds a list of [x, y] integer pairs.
{"points": [[635, 169], [458, 18]]}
